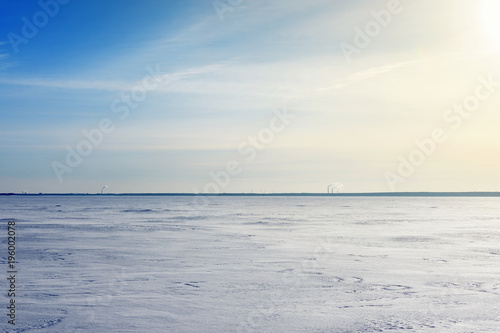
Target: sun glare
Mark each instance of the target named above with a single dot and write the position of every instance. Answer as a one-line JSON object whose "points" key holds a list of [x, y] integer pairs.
{"points": [[490, 13]]}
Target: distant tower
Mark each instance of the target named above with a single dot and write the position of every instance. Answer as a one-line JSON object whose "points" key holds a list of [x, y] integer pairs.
{"points": [[102, 189]]}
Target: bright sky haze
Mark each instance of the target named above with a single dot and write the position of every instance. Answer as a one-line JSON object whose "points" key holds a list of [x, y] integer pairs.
{"points": [[249, 95]]}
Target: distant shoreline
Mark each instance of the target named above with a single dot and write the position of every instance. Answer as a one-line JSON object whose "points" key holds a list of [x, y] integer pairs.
{"points": [[370, 194]]}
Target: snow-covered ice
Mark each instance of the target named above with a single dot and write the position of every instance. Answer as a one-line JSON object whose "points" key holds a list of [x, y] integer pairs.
{"points": [[253, 264]]}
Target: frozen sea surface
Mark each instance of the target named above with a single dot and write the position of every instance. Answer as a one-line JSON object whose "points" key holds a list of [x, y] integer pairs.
{"points": [[253, 264]]}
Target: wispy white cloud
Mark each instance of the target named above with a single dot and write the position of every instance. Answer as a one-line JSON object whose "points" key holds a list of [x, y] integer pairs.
{"points": [[368, 74], [113, 85], [65, 83]]}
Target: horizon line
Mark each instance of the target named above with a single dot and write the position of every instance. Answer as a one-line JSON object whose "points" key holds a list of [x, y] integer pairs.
{"points": [[365, 194]]}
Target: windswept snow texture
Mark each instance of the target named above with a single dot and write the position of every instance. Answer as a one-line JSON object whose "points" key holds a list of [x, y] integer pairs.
{"points": [[253, 264]]}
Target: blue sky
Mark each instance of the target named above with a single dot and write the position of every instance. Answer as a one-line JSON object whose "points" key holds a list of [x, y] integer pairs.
{"points": [[223, 80]]}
